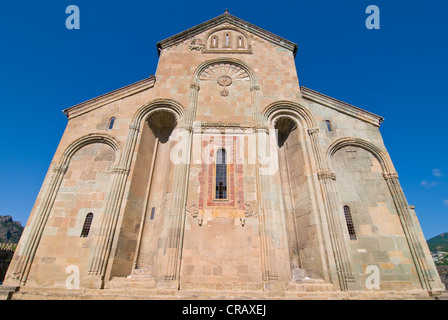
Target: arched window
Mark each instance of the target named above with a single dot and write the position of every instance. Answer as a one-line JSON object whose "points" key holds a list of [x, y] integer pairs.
{"points": [[214, 42], [111, 123], [221, 174], [240, 43], [87, 225], [350, 225], [227, 40]]}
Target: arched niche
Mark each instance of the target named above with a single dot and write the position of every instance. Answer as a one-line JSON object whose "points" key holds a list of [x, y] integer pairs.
{"points": [[84, 189], [363, 174], [291, 121], [225, 92], [150, 188]]}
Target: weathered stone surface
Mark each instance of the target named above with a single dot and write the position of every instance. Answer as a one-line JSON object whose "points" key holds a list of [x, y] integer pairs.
{"points": [[275, 228]]}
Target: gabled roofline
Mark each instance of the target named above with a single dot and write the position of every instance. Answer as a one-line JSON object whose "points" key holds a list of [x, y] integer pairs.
{"points": [[342, 106], [227, 17], [110, 97]]}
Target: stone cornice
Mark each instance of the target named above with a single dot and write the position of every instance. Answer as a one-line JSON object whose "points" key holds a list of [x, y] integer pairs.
{"points": [[110, 97], [342, 106], [227, 17]]}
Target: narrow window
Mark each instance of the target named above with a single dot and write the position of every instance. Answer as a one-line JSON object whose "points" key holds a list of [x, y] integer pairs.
{"points": [[329, 127], [227, 40], [221, 175], [153, 212], [214, 42], [111, 123], [350, 225], [87, 224], [240, 42]]}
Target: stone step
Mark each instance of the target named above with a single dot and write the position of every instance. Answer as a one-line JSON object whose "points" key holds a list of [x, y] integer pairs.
{"points": [[34, 293]]}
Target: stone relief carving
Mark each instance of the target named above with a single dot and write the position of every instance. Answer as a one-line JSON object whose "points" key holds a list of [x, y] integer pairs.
{"points": [[249, 210], [326, 175], [192, 210], [196, 45], [224, 81], [224, 74]]}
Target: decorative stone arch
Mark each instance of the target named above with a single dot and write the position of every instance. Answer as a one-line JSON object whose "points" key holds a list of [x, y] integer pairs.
{"points": [[237, 62], [399, 199], [86, 140], [25, 259], [382, 156], [290, 109], [167, 105], [337, 266]]}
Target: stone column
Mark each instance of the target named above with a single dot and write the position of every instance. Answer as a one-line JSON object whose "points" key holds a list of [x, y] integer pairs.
{"points": [[26, 254], [404, 214], [333, 212], [103, 245], [267, 233], [173, 231], [104, 238]]}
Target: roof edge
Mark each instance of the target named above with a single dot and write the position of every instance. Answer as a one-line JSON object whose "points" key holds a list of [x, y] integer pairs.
{"points": [[342, 106], [227, 17], [110, 97]]}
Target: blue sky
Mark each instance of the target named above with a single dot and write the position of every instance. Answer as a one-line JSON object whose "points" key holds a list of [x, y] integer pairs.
{"points": [[398, 72]]}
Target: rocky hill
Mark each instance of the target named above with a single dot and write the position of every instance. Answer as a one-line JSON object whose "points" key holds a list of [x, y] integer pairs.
{"points": [[10, 230], [438, 243]]}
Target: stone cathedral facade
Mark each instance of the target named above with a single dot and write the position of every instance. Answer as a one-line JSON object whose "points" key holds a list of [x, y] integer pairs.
{"points": [[222, 173]]}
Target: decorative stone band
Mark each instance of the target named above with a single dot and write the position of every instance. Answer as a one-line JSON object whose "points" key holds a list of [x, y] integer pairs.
{"points": [[120, 170], [60, 168], [326, 175], [194, 86], [134, 127], [313, 130], [390, 175], [262, 128], [187, 127]]}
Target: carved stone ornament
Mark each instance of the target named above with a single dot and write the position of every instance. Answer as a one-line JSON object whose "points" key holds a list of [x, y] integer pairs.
{"points": [[225, 74], [390, 175], [312, 131], [224, 81], [249, 210], [192, 210], [195, 45], [60, 168], [326, 175]]}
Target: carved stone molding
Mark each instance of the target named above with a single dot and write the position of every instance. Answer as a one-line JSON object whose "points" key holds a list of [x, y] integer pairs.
{"points": [[194, 87], [196, 45], [326, 175], [120, 170], [186, 127], [60, 168], [313, 130], [249, 210], [134, 127], [390, 175], [192, 210]]}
